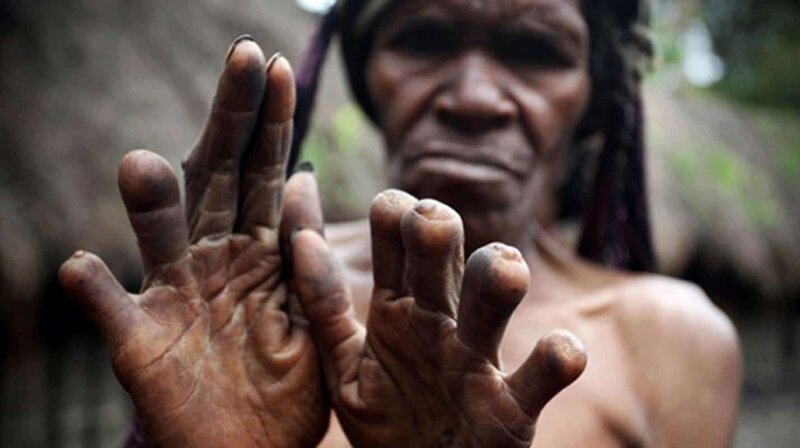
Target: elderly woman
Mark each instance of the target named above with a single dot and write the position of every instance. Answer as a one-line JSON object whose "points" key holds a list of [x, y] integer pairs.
{"points": [[247, 330]]}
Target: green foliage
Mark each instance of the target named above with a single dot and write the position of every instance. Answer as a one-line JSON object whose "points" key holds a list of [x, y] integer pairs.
{"points": [[329, 141], [760, 44], [758, 41], [731, 177], [781, 127], [789, 161], [314, 151], [348, 125], [334, 146]]}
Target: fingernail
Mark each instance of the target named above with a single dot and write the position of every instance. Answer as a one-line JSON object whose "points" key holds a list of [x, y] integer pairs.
{"points": [[273, 60], [235, 43], [304, 166], [79, 254], [295, 231]]}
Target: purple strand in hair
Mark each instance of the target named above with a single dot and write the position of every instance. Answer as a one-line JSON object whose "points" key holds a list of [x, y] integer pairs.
{"points": [[134, 438], [616, 228], [307, 81]]}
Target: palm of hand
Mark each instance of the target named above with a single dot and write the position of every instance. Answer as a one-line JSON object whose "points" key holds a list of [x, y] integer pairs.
{"points": [[448, 394], [211, 350], [425, 371]]}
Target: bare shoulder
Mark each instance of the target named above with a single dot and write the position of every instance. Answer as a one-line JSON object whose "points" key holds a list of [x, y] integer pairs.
{"points": [[675, 315], [685, 355]]}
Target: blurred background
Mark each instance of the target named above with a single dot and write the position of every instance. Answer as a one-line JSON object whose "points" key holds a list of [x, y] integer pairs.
{"points": [[84, 81]]}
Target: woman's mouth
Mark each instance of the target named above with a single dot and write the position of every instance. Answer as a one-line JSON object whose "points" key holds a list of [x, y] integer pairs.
{"points": [[460, 161]]}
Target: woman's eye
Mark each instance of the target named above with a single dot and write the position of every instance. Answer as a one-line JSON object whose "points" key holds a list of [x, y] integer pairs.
{"points": [[425, 39], [522, 49]]}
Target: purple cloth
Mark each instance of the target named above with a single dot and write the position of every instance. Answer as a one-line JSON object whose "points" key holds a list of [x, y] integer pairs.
{"points": [[135, 438]]}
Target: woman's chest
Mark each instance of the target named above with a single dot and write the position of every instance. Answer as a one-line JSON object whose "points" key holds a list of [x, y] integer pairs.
{"points": [[601, 409]]}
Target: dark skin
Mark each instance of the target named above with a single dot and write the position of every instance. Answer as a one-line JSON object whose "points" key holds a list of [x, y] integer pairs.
{"points": [[425, 369], [478, 101], [214, 352], [211, 350], [472, 120]]}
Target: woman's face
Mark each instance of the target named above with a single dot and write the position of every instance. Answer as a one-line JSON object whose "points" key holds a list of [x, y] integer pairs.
{"points": [[478, 100]]}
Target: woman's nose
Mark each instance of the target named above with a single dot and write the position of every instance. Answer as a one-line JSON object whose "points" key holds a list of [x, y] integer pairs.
{"points": [[473, 100]]}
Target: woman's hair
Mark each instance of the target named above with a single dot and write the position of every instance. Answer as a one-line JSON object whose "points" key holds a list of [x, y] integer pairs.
{"points": [[616, 228]]}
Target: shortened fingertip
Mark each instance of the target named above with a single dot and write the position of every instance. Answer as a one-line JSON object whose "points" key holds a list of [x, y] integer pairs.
{"points": [[433, 210], [387, 209], [73, 272], [431, 228], [562, 355], [393, 199], [503, 270]]}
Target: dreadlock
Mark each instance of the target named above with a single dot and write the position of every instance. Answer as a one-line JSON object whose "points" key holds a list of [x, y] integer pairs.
{"points": [[616, 228]]}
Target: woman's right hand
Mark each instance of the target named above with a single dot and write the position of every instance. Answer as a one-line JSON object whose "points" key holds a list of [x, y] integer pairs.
{"points": [[213, 350]]}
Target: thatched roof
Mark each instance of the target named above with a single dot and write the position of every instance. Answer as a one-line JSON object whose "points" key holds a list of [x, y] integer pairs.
{"points": [[726, 193]]}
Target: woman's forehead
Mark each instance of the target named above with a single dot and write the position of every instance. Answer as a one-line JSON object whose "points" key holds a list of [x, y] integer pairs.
{"points": [[489, 9], [562, 13]]}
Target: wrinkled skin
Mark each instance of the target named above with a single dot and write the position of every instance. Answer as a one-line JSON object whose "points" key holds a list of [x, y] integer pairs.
{"points": [[425, 371], [478, 102], [484, 131], [212, 351]]}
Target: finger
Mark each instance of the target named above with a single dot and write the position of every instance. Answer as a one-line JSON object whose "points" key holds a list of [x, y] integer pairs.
{"points": [[495, 281], [301, 208], [151, 194], [327, 303], [558, 359], [88, 281], [388, 255], [264, 169], [212, 168], [433, 238]]}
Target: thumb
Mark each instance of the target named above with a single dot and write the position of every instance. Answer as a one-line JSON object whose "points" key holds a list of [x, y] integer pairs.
{"points": [[327, 303], [557, 361], [88, 281]]}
